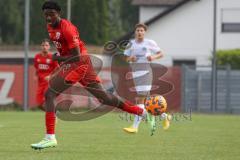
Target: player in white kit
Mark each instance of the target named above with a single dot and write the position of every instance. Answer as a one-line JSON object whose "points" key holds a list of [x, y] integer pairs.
{"points": [[140, 52]]}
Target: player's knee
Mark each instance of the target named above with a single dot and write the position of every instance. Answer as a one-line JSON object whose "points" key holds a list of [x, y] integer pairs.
{"points": [[50, 94], [110, 100]]}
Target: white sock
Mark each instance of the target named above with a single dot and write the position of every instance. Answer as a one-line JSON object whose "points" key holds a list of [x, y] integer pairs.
{"points": [[144, 114], [50, 136], [138, 119]]}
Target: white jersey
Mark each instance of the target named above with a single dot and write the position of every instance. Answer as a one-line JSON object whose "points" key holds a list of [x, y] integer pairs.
{"points": [[142, 74], [142, 49]]}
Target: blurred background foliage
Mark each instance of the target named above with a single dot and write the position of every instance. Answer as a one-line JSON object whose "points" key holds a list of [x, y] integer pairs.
{"points": [[97, 20]]}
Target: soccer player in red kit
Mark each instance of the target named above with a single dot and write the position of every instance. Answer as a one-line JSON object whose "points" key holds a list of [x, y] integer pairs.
{"points": [[44, 66], [72, 52]]}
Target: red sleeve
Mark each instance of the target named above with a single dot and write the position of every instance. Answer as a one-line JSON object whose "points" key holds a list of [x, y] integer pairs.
{"points": [[72, 36]]}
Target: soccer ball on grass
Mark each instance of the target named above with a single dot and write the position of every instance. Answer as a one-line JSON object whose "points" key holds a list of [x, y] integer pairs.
{"points": [[156, 104]]}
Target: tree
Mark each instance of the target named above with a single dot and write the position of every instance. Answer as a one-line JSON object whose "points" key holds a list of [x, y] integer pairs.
{"points": [[123, 17], [84, 16], [103, 21], [97, 20], [11, 20], [231, 57], [129, 15], [115, 20]]}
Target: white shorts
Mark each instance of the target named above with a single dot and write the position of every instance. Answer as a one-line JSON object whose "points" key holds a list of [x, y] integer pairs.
{"points": [[142, 77]]}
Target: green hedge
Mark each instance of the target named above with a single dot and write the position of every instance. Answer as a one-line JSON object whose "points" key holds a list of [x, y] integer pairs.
{"points": [[231, 57]]}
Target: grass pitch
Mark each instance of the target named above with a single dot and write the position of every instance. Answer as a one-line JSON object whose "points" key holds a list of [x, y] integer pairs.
{"points": [[205, 137]]}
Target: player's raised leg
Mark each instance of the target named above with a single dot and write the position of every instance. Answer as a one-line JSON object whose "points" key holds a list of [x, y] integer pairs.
{"points": [[109, 99]]}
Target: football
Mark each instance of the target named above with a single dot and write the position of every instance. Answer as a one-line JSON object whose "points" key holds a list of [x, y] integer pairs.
{"points": [[156, 104]]}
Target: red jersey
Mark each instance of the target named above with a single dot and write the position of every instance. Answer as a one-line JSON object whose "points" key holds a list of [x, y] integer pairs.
{"points": [[65, 37], [44, 66]]}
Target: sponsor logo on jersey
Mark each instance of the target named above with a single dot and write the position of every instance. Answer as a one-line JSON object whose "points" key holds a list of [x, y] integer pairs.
{"points": [[43, 66]]}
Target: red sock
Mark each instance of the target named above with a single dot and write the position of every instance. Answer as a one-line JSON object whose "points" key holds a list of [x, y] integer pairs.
{"points": [[131, 108], [50, 122]]}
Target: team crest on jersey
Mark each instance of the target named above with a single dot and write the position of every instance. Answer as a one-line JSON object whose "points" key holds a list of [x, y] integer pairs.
{"points": [[38, 60], [58, 34], [48, 61]]}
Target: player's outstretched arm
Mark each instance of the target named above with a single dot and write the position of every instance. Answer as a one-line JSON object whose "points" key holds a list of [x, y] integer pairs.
{"points": [[74, 57]]}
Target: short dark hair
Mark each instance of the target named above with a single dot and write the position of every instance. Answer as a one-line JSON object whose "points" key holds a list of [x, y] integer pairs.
{"points": [[142, 25], [45, 40], [50, 4]]}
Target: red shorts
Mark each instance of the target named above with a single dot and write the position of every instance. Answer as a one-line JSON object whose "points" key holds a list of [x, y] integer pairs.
{"points": [[82, 72], [40, 96]]}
